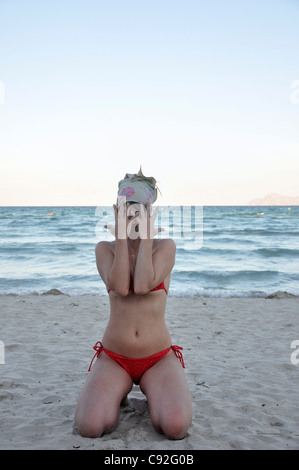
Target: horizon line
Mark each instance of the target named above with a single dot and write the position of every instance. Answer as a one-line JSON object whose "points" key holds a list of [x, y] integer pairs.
{"points": [[164, 205]]}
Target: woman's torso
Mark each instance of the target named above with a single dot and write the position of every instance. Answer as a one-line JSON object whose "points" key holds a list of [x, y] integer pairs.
{"points": [[136, 326]]}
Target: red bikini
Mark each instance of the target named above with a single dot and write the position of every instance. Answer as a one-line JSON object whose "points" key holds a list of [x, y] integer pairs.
{"points": [[159, 287], [136, 366]]}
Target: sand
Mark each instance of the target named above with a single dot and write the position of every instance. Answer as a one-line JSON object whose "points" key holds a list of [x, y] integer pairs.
{"points": [[237, 353]]}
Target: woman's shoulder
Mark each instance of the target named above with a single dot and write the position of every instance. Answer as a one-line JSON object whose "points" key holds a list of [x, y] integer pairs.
{"points": [[165, 244], [104, 246]]}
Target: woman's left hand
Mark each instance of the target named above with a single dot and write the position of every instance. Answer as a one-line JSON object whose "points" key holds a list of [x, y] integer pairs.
{"points": [[146, 221]]}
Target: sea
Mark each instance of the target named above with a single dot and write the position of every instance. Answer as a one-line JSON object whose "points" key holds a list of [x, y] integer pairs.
{"points": [[222, 251]]}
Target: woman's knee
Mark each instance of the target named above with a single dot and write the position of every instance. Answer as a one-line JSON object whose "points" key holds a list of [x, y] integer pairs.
{"points": [[94, 426], [173, 420], [176, 426]]}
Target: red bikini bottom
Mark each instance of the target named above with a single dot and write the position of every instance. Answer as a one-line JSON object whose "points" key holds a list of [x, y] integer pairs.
{"points": [[136, 366]]}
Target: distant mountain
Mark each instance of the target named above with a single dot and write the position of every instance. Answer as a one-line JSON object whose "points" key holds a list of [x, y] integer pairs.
{"points": [[273, 199]]}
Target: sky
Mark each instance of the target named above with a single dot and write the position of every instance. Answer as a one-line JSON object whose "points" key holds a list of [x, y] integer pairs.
{"points": [[204, 95]]}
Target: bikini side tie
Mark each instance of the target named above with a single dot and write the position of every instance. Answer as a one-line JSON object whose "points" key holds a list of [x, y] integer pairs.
{"points": [[179, 355], [98, 347]]}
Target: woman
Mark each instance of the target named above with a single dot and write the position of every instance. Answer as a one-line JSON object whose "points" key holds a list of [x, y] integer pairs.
{"points": [[136, 346]]}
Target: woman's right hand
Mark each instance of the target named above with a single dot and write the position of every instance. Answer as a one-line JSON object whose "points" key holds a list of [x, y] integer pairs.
{"points": [[112, 228], [119, 231]]}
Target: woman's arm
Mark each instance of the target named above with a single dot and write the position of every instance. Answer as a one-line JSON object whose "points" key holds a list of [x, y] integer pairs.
{"points": [[114, 268], [151, 269]]}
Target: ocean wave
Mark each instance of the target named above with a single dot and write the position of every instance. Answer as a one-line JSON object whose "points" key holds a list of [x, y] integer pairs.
{"points": [[236, 234], [276, 252], [225, 294], [268, 252], [188, 274]]}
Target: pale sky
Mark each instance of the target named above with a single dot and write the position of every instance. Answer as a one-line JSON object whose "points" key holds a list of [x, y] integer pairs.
{"points": [[199, 93]]}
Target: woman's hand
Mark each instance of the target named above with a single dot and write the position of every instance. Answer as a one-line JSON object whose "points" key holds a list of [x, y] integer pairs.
{"points": [[120, 229], [140, 224], [146, 222]]}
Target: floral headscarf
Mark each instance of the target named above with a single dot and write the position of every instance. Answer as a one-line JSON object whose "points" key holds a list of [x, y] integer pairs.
{"points": [[137, 188]]}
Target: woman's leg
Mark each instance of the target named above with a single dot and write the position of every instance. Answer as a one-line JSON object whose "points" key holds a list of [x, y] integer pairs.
{"points": [[168, 396], [107, 384]]}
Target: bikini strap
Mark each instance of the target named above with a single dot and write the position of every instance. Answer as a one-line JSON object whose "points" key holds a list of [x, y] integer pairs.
{"points": [[98, 347], [179, 355]]}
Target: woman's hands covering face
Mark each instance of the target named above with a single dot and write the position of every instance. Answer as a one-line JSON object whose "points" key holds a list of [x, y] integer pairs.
{"points": [[133, 221]]}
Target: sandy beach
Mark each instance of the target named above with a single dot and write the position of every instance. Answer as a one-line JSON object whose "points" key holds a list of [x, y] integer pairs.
{"points": [[237, 353]]}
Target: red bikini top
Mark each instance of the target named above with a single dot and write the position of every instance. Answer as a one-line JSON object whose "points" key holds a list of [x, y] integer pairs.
{"points": [[159, 287]]}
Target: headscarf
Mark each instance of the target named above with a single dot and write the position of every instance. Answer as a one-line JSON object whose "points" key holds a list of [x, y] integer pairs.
{"points": [[137, 188]]}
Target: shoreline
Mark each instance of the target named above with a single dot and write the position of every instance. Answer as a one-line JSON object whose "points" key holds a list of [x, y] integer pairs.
{"points": [[237, 353], [274, 295]]}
